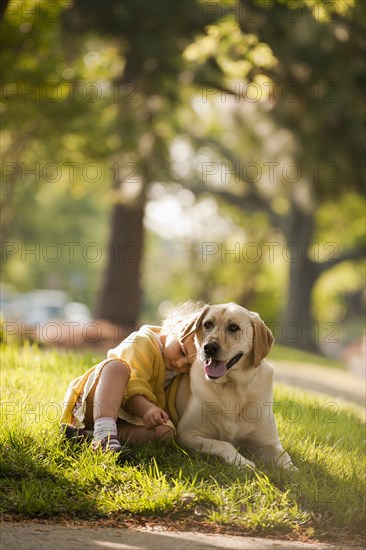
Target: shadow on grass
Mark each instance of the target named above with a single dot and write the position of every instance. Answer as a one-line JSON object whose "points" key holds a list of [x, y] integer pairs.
{"points": [[34, 483], [191, 465]]}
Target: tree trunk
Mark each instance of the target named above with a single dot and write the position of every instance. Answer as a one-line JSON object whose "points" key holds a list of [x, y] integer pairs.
{"points": [[298, 327], [3, 6], [120, 296]]}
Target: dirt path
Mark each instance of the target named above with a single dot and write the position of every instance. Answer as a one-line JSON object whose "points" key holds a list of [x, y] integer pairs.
{"points": [[38, 536], [341, 385]]}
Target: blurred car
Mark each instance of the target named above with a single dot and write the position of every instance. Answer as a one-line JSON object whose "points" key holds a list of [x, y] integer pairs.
{"points": [[7, 297], [49, 318], [43, 306]]}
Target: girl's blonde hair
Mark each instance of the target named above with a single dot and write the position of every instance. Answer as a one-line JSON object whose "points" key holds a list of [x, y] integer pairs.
{"points": [[179, 317]]}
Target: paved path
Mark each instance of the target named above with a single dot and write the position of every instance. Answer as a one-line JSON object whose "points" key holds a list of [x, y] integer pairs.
{"points": [[341, 385], [38, 536]]}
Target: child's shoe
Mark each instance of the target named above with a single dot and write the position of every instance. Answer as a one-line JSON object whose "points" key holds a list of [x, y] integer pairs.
{"points": [[76, 435], [108, 443], [111, 443]]}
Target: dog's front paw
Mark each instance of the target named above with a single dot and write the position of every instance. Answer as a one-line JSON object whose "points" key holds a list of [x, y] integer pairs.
{"points": [[244, 463], [284, 461], [289, 466]]}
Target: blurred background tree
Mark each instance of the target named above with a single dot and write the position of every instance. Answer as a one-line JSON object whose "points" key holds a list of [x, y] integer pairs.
{"points": [[302, 48], [152, 36], [232, 134], [55, 146]]}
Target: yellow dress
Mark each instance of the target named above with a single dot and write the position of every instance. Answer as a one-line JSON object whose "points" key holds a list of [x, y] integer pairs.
{"points": [[141, 352]]}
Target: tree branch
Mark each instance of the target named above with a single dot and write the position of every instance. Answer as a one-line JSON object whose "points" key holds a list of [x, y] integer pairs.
{"points": [[355, 253], [251, 201]]}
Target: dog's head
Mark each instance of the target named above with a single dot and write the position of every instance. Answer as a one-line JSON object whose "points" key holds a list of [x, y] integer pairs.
{"points": [[229, 336]]}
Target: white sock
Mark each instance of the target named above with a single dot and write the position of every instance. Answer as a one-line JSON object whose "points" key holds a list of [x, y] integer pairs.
{"points": [[104, 427]]}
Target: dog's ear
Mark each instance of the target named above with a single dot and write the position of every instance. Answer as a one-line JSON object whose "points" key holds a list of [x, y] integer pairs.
{"points": [[195, 322], [262, 339]]}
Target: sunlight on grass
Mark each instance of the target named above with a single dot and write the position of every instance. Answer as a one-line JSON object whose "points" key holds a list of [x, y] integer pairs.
{"points": [[45, 476]]}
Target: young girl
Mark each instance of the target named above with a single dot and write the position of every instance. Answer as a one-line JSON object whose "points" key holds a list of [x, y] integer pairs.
{"points": [[122, 398]]}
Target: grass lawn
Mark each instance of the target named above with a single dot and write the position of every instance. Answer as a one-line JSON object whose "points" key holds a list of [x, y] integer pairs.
{"points": [[44, 476]]}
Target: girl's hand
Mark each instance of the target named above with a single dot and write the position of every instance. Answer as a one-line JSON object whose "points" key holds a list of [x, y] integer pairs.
{"points": [[153, 417]]}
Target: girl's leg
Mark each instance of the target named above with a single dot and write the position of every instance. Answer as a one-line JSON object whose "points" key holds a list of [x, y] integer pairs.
{"points": [[105, 398], [110, 389], [138, 435], [103, 403]]}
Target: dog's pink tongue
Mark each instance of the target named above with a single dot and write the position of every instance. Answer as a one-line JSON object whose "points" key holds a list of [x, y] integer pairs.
{"points": [[214, 368]]}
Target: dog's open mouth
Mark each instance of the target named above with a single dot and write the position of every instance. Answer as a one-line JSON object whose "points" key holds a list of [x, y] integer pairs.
{"points": [[216, 369]]}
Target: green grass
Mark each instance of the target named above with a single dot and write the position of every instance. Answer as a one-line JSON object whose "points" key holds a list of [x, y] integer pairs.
{"points": [[44, 476]]}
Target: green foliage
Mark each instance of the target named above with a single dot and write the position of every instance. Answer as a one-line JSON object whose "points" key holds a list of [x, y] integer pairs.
{"points": [[57, 107], [151, 64], [44, 476], [326, 85]]}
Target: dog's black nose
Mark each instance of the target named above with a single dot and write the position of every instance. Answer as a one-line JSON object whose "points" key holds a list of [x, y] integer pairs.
{"points": [[211, 349]]}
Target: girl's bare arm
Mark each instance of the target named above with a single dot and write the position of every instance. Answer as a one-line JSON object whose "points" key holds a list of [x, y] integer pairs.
{"points": [[152, 416]]}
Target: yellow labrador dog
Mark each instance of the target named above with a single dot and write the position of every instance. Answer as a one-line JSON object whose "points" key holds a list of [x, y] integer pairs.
{"points": [[226, 401]]}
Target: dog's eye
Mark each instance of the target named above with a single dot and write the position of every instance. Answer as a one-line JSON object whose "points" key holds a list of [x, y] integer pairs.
{"points": [[208, 325], [233, 328]]}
